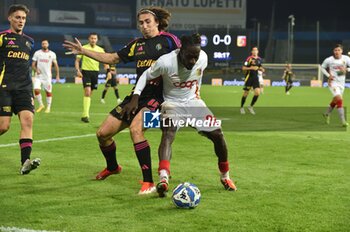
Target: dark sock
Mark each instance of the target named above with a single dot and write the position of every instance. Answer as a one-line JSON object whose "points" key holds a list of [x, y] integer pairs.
{"points": [[143, 153], [104, 94], [286, 88], [255, 98], [289, 87], [116, 92], [110, 155], [243, 101], [26, 149]]}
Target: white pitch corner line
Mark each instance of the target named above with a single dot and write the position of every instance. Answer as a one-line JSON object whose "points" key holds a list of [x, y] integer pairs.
{"points": [[15, 229]]}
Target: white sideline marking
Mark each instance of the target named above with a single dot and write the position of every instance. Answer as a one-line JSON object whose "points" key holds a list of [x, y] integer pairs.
{"points": [[50, 140], [15, 229], [55, 139]]}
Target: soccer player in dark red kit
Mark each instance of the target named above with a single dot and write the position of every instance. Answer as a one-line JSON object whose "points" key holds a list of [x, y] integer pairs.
{"points": [[144, 51], [16, 90]]}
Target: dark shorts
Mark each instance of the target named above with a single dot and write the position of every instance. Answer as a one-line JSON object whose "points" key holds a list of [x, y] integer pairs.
{"points": [[289, 82], [90, 79], [15, 101], [111, 82], [251, 82], [151, 103]]}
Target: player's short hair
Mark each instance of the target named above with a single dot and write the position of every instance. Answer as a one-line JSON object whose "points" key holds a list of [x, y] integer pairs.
{"points": [[44, 40], [190, 40], [93, 33], [338, 46], [254, 47], [17, 7], [160, 14]]}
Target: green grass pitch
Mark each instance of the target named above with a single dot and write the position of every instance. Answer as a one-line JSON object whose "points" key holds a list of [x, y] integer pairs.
{"points": [[287, 180]]}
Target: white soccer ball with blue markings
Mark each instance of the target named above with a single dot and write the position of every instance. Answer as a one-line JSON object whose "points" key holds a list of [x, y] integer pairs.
{"points": [[186, 195]]}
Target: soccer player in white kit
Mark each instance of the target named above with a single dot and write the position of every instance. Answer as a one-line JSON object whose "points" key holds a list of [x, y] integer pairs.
{"points": [[42, 64], [335, 68], [182, 71]]}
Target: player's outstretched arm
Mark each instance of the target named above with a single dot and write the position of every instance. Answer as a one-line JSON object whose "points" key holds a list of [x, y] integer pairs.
{"points": [[78, 49]]}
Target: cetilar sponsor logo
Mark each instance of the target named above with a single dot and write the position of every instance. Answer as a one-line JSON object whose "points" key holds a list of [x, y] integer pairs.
{"points": [[18, 55]]}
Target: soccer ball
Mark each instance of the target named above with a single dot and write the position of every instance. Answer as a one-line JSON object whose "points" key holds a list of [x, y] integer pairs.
{"points": [[186, 195]]}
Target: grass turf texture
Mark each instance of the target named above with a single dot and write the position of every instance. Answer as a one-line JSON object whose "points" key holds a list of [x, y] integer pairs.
{"points": [[287, 180]]}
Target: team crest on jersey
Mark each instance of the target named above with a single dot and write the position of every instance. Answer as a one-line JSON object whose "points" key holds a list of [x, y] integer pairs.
{"points": [[159, 47], [199, 72], [28, 45]]}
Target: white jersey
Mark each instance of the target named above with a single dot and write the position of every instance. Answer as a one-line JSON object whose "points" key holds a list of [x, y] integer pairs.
{"points": [[335, 65], [44, 61], [179, 83]]}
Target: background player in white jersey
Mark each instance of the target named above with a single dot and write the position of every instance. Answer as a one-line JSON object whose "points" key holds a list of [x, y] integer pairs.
{"points": [[335, 68], [182, 72], [261, 80], [43, 60]]}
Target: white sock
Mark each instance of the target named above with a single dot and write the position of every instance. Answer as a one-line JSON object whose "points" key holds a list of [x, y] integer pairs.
{"points": [[341, 114], [163, 174], [225, 175], [48, 101], [40, 99]]}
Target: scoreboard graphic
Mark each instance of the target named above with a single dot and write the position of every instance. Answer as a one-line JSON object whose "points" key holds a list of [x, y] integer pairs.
{"points": [[225, 47]]}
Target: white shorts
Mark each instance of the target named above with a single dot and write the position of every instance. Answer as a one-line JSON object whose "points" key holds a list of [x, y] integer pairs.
{"points": [[45, 82], [336, 89], [193, 113], [261, 80]]}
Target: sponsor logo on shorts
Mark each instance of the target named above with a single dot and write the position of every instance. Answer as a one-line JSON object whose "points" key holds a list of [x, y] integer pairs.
{"points": [[7, 109], [118, 109]]}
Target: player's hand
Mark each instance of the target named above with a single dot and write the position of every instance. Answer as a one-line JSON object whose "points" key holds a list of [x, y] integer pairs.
{"points": [[330, 79], [79, 74], [73, 47], [130, 108]]}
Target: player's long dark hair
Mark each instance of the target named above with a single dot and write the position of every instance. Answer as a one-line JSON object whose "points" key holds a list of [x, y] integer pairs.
{"points": [[190, 40], [161, 15]]}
